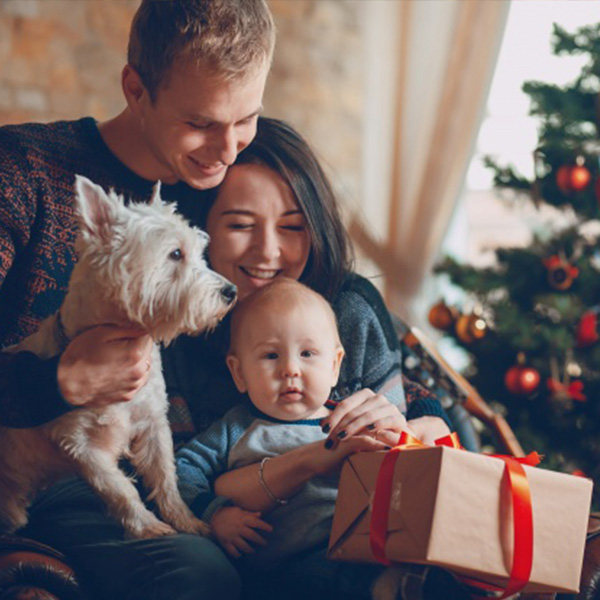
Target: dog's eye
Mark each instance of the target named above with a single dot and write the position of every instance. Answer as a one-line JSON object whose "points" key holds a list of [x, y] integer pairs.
{"points": [[176, 254]]}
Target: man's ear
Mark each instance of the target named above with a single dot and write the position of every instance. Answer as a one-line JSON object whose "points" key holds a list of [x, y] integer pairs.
{"points": [[235, 367], [337, 363], [133, 88]]}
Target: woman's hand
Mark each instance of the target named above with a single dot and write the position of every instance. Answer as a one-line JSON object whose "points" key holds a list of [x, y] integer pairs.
{"points": [[236, 529], [428, 429], [323, 461], [365, 412], [287, 473], [103, 365]]}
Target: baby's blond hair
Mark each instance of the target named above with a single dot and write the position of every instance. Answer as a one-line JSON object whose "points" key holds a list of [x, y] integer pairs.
{"points": [[282, 294]]}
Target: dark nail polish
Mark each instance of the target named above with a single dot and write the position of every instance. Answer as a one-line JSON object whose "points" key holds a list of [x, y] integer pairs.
{"points": [[326, 428], [329, 444], [342, 434], [387, 447], [371, 426]]}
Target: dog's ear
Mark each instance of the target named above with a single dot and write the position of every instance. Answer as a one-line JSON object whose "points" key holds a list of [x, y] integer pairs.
{"points": [[156, 200], [97, 209]]}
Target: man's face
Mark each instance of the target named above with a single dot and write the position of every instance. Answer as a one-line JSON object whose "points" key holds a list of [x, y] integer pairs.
{"points": [[199, 122]]}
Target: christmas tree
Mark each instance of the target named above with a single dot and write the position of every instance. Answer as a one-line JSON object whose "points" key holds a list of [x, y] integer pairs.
{"points": [[533, 342]]}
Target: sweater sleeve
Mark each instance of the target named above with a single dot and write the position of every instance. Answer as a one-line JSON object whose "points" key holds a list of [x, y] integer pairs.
{"points": [[29, 393], [204, 458], [373, 359]]}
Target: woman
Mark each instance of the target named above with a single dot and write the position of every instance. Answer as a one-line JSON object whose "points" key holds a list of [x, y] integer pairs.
{"points": [[276, 215]]}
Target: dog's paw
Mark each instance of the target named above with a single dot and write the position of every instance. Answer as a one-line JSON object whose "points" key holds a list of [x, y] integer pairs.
{"points": [[158, 529], [149, 528], [193, 525]]}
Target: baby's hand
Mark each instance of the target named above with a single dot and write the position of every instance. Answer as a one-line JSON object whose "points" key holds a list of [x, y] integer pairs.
{"points": [[235, 527]]}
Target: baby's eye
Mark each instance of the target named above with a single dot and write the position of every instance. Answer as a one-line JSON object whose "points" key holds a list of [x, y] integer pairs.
{"points": [[271, 356], [176, 254], [307, 353]]}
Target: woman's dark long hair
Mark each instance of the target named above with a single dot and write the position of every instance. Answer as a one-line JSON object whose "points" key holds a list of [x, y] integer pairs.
{"points": [[279, 147]]}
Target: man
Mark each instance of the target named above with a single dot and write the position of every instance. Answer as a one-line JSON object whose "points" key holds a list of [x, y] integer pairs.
{"points": [[193, 85]]}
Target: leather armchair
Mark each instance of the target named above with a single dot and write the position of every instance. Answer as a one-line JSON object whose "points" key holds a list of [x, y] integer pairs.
{"points": [[32, 571]]}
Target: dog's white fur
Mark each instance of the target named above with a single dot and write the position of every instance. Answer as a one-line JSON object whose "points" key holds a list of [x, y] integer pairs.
{"points": [[143, 265]]}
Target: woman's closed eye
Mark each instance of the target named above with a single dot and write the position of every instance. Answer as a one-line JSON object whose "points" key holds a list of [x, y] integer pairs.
{"points": [[240, 226], [293, 227]]}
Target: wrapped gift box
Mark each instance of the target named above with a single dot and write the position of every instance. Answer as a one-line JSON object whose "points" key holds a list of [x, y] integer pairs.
{"points": [[453, 508]]}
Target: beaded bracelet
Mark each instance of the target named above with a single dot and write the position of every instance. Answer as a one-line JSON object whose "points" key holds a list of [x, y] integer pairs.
{"points": [[261, 478]]}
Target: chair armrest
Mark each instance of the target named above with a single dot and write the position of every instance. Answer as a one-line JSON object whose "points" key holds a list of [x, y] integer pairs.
{"points": [[30, 570]]}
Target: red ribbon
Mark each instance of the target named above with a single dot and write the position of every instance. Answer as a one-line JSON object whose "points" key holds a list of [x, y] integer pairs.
{"points": [[520, 496]]}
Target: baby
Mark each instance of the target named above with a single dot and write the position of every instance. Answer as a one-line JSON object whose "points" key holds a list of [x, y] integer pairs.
{"points": [[285, 353]]}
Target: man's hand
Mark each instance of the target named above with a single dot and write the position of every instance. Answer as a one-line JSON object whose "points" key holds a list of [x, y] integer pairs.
{"points": [[104, 365], [235, 528]]}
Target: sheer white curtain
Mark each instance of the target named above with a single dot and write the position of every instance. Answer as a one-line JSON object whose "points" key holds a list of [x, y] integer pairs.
{"points": [[430, 69]]}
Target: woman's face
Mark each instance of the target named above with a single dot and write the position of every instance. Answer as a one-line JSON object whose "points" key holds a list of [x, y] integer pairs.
{"points": [[257, 229]]}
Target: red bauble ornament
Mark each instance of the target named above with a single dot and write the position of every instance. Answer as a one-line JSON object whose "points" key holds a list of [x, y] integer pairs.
{"points": [[442, 316], [573, 178], [521, 379], [587, 329]]}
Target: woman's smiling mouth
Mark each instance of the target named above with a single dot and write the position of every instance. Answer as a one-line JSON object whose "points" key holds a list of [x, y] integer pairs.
{"points": [[261, 273]]}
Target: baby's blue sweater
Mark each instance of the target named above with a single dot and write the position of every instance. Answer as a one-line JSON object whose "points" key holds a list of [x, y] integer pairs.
{"points": [[244, 436]]}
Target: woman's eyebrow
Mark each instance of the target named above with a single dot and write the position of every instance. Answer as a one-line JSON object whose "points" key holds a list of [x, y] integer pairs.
{"points": [[241, 211], [237, 211]]}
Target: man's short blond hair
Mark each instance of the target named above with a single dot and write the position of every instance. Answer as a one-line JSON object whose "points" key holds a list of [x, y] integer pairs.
{"points": [[282, 294], [230, 38]]}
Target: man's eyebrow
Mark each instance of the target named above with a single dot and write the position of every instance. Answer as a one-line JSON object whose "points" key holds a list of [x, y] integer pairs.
{"points": [[206, 119]]}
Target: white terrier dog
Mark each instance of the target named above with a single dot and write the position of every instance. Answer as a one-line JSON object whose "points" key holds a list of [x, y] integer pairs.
{"points": [[140, 264]]}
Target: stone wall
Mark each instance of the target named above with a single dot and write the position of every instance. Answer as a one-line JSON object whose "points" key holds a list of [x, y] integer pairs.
{"points": [[317, 81], [62, 59]]}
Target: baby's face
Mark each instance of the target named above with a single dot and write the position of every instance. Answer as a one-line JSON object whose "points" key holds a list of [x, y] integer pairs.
{"points": [[288, 360]]}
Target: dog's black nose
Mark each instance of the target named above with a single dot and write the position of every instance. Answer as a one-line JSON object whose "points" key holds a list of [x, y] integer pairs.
{"points": [[229, 292]]}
